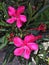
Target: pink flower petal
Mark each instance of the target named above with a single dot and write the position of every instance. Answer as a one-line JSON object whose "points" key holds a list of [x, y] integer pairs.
{"points": [[19, 51], [38, 37], [23, 18], [19, 24], [11, 20], [11, 11], [29, 38], [20, 9], [32, 46], [18, 41], [27, 53], [42, 27]]}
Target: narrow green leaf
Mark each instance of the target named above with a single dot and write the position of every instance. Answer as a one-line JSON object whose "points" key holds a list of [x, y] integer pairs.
{"points": [[35, 32], [2, 23], [8, 53], [30, 63], [4, 63], [30, 10], [4, 42], [0, 6], [11, 57], [5, 10], [37, 60], [40, 11], [29, 13], [11, 43], [48, 60]]}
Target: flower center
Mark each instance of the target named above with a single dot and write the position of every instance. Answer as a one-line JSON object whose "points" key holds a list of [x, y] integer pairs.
{"points": [[25, 44]]}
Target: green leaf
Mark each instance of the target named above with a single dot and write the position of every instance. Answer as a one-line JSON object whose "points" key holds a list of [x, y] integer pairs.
{"points": [[9, 51], [35, 32], [3, 30], [48, 60], [5, 10], [11, 57], [0, 6], [4, 63], [10, 42], [37, 60], [30, 10], [30, 63], [2, 23], [40, 11], [4, 42]]}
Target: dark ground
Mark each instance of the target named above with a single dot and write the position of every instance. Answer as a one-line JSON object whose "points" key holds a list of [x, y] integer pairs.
{"points": [[15, 61]]}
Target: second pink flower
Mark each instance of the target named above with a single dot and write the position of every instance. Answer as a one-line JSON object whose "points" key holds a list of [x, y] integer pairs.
{"points": [[16, 16]]}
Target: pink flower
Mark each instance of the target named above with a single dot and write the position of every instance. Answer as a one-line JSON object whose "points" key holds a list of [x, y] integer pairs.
{"points": [[25, 47], [38, 37], [16, 16], [42, 27]]}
